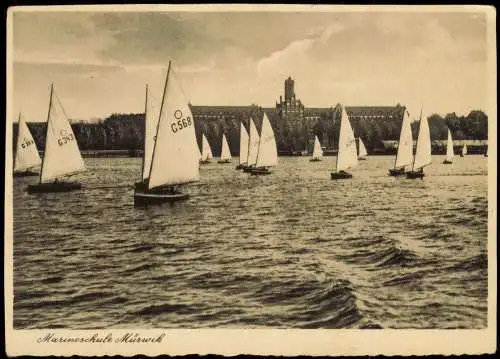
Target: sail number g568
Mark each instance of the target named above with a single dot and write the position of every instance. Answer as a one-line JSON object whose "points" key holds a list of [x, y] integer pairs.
{"points": [[182, 122]]}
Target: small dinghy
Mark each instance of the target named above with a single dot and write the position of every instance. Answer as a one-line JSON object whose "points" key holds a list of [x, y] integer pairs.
{"points": [[244, 144], [253, 148], [174, 160], [404, 155], [449, 150], [362, 151], [267, 152], [317, 154], [225, 156], [423, 155], [27, 156], [61, 156], [464, 151], [206, 155], [347, 155]]}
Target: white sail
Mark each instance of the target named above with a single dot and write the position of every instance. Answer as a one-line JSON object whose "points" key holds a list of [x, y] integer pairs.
{"points": [[243, 145], [317, 151], [225, 153], [347, 155], [207, 151], [61, 155], [267, 154], [404, 156], [175, 159], [362, 149], [423, 153], [253, 144], [26, 153], [150, 125], [449, 147], [464, 150]]}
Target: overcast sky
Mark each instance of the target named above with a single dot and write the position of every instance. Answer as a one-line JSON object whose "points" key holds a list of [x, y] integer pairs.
{"points": [[100, 62]]}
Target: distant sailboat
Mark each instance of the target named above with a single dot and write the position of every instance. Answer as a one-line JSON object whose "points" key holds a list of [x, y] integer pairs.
{"points": [[486, 154], [243, 147], [206, 155], [464, 151], [267, 153], [150, 125], [61, 156], [253, 147], [404, 156], [347, 155], [317, 151], [174, 160], [362, 150], [27, 155], [423, 155], [449, 150], [225, 156]]}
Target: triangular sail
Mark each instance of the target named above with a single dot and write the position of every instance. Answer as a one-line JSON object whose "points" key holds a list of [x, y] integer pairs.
{"points": [[423, 155], [347, 155], [464, 150], [362, 149], [26, 151], [253, 144], [150, 125], [175, 159], [267, 154], [404, 156], [207, 151], [243, 145], [61, 155], [225, 153], [449, 147], [317, 151]]}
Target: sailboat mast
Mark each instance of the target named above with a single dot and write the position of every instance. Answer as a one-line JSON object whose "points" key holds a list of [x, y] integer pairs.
{"points": [[145, 131], [159, 117], [414, 156], [46, 130]]}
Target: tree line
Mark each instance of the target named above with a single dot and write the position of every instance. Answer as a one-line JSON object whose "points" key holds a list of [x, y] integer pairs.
{"points": [[126, 131]]}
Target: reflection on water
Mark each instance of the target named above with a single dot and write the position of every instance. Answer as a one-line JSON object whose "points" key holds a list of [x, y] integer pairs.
{"points": [[293, 249]]}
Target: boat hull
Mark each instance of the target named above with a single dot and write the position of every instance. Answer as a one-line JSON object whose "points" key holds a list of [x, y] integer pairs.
{"points": [[361, 159], [204, 162], [241, 166], [248, 169], [26, 173], [260, 171], [224, 161], [315, 160], [415, 175], [340, 175], [54, 187], [461, 155], [446, 162], [395, 172], [144, 197]]}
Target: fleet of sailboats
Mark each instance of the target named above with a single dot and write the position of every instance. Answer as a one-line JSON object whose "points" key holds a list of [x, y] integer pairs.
{"points": [[225, 156], [62, 155], [347, 156], [317, 154], [404, 156], [423, 152], [449, 150], [362, 150], [27, 156], [206, 154], [174, 160], [267, 152]]}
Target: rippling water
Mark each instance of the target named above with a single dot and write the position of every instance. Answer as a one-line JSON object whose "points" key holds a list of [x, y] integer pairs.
{"points": [[293, 249]]}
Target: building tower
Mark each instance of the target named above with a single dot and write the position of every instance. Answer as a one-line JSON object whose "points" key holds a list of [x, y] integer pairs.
{"points": [[289, 94]]}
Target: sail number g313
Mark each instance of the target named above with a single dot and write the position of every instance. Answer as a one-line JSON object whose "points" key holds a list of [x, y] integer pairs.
{"points": [[26, 143], [65, 138], [182, 122]]}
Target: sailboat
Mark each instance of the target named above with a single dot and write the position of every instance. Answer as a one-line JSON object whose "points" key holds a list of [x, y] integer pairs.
{"points": [[347, 155], [404, 155], [423, 155], [174, 160], [244, 142], [449, 150], [253, 147], [206, 155], [225, 156], [317, 151], [464, 151], [486, 154], [150, 124], [27, 155], [61, 156], [362, 150], [267, 153]]}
